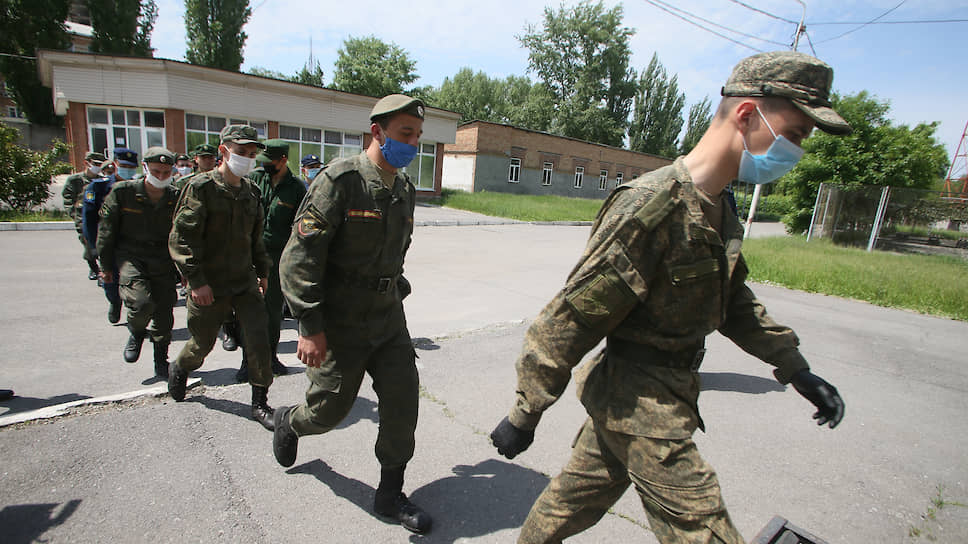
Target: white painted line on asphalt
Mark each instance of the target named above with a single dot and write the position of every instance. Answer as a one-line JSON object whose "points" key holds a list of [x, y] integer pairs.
{"points": [[49, 412]]}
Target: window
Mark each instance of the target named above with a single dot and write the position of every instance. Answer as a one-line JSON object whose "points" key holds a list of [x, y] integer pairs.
{"points": [[423, 167], [110, 128], [618, 178], [14, 111], [202, 129], [326, 144], [603, 180], [579, 176], [514, 171], [546, 171]]}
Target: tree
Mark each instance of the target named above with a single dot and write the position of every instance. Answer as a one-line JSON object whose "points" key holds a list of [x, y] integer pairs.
{"points": [[311, 74], [581, 55], [700, 116], [213, 32], [25, 175], [513, 101], [372, 67], [265, 72], [529, 105], [122, 27], [25, 26], [658, 112], [877, 152]]}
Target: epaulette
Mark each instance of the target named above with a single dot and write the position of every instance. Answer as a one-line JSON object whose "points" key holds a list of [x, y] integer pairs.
{"points": [[665, 199], [337, 168]]}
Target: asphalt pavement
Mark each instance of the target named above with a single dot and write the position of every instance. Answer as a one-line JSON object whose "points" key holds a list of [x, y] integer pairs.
{"points": [[123, 463]]}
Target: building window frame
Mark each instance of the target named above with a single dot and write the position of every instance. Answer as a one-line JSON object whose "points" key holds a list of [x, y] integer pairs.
{"points": [[619, 178], [579, 176], [112, 127], [201, 128], [514, 170], [547, 172], [423, 168], [602, 180]]}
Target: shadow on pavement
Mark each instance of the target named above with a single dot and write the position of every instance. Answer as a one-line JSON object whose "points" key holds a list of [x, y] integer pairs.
{"points": [[738, 383], [23, 523], [25, 404], [425, 344]]}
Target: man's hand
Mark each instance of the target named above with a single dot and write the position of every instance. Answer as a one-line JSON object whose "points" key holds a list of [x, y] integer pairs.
{"points": [[203, 296], [311, 350], [510, 440], [830, 407], [263, 285], [106, 276]]}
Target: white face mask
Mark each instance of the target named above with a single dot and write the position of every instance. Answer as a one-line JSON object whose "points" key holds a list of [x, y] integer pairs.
{"points": [[240, 165], [184, 170], [155, 182], [94, 168]]}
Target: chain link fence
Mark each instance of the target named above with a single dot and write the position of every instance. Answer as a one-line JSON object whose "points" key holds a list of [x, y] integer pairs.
{"points": [[892, 219]]}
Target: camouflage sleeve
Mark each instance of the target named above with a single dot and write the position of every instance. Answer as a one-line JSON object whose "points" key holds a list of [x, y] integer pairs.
{"points": [[302, 267], [611, 278], [69, 194], [107, 231], [260, 257], [750, 328], [185, 242]]}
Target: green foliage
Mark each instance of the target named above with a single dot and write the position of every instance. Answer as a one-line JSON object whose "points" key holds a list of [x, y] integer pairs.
{"points": [[122, 27], [265, 72], [213, 32], [523, 207], [581, 55], [25, 26], [700, 116], [514, 100], [876, 153], [658, 112], [25, 175], [928, 284], [311, 74], [18, 216], [372, 67]]}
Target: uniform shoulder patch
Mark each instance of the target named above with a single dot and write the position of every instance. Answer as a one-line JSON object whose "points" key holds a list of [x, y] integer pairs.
{"points": [[310, 223], [660, 205]]}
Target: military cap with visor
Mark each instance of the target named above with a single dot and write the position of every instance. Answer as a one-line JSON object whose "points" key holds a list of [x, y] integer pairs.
{"points": [[94, 157], [204, 149], [160, 155], [310, 160], [240, 134], [126, 157], [798, 77], [273, 150], [397, 103], [182, 157]]}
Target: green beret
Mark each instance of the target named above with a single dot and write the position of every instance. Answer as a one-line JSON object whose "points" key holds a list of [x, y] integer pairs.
{"points": [[397, 103], [94, 157], [160, 155], [274, 149], [204, 149], [802, 79], [240, 134]]}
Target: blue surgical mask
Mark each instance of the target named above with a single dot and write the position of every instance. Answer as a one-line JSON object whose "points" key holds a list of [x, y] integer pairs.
{"points": [[398, 154], [311, 173], [127, 173], [779, 159]]}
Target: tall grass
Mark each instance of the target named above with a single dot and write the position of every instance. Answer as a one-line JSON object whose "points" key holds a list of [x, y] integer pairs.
{"points": [[33, 216], [523, 207], [935, 285]]}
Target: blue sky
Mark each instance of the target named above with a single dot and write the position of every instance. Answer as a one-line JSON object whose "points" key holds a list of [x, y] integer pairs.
{"points": [[919, 68]]}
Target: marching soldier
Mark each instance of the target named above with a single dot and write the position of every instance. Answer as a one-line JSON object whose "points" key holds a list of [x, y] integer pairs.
{"points": [[73, 194]]}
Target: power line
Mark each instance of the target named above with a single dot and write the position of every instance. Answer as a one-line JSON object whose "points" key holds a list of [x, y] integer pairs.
{"points": [[17, 56], [923, 21], [670, 12], [768, 14], [864, 24], [680, 10]]}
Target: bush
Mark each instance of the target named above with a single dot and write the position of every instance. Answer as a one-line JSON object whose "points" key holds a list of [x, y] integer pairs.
{"points": [[25, 175]]}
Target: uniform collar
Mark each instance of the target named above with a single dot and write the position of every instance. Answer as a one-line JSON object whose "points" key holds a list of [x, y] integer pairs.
{"points": [[374, 181]]}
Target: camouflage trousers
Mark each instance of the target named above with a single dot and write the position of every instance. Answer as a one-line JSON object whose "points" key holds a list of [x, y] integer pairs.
{"points": [[204, 322], [336, 383], [678, 489], [149, 298]]}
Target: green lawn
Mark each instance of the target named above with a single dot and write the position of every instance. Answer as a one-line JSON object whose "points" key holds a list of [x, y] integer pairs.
{"points": [[523, 207], [46, 215], [927, 284]]}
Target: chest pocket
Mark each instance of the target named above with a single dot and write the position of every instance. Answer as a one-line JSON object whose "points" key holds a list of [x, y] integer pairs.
{"points": [[684, 274]]}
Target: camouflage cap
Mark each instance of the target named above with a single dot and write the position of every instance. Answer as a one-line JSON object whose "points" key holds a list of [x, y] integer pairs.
{"points": [[395, 103], [94, 157], [204, 149], [802, 79], [240, 134], [159, 154], [274, 149], [125, 157]]}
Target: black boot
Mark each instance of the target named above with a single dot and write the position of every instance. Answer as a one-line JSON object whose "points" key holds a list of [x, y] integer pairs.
{"points": [[284, 439], [261, 411], [230, 338], [93, 270], [132, 350], [391, 503], [114, 312], [177, 382], [161, 360], [279, 369], [242, 375]]}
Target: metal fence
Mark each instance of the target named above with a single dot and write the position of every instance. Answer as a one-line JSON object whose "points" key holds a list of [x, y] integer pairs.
{"points": [[892, 219]]}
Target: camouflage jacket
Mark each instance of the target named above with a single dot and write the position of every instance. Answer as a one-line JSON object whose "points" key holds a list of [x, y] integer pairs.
{"points": [[134, 228], [654, 280], [350, 230], [279, 205], [216, 235], [73, 195]]}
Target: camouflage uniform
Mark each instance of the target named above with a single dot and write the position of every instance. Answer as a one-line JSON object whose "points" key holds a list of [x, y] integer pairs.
{"points": [[342, 273], [133, 235], [73, 195], [655, 279], [216, 240]]}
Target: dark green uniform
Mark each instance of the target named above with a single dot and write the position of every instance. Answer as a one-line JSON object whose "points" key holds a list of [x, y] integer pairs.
{"points": [[73, 195], [655, 279], [342, 273], [216, 240], [279, 204], [132, 235]]}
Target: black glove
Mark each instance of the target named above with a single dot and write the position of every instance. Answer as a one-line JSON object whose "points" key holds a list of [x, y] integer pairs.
{"points": [[510, 440], [830, 407]]}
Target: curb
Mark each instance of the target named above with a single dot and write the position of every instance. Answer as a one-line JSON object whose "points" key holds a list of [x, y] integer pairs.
{"points": [[36, 225], [69, 225]]}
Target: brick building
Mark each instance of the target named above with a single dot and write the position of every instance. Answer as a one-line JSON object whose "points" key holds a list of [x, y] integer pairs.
{"points": [[502, 158]]}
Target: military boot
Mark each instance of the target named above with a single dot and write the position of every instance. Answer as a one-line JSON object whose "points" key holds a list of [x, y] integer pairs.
{"points": [[391, 504], [132, 350], [279, 369], [93, 269], [177, 382], [114, 312], [284, 439], [161, 359], [230, 338], [242, 374], [261, 411]]}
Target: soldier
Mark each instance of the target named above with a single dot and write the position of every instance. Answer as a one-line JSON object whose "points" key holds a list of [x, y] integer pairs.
{"points": [[203, 159], [132, 236], [341, 273], [125, 167], [216, 243], [310, 168], [183, 167], [73, 194], [282, 193], [663, 269]]}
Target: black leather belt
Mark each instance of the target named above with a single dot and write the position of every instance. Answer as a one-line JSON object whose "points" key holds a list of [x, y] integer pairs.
{"points": [[380, 284], [687, 358]]}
